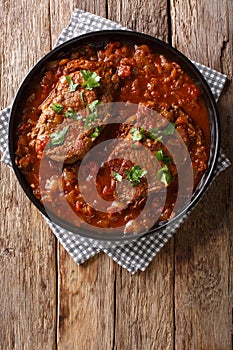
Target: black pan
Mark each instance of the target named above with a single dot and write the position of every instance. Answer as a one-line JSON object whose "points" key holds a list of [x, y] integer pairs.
{"points": [[99, 40]]}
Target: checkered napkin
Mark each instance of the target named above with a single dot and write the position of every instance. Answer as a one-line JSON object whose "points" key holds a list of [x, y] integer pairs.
{"points": [[137, 254]]}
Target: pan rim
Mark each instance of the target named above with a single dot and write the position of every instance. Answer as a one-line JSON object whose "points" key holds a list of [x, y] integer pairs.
{"points": [[125, 34]]}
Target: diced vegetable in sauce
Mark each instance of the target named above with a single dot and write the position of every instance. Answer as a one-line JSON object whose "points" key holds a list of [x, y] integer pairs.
{"points": [[74, 89]]}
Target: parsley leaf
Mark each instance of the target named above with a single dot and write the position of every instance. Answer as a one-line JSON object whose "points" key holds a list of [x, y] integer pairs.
{"points": [[135, 174], [93, 115], [72, 86], [97, 131], [170, 129], [57, 138], [56, 107], [93, 104], [117, 176], [137, 135], [81, 96], [72, 114], [90, 118], [164, 175], [91, 79], [160, 156], [155, 134]]}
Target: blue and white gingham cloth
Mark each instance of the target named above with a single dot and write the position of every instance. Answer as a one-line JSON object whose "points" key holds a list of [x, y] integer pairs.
{"points": [[137, 254]]}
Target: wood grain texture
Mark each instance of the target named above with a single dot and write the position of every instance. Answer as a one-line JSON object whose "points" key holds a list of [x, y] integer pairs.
{"points": [[184, 299], [144, 302], [60, 17], [203, 289], [86, 293], [86, 303], [144, 305], [146, 16], [201, 31], [27, 260]]}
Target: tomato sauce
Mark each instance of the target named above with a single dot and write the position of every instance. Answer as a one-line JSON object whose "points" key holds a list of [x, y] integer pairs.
{"points": [[116, 73]]}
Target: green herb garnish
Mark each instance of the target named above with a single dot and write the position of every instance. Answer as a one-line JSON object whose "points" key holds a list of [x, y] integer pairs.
{"points": [[56, 107], [164, 175], [93, 104], [155, 134], [160, 156], [170, 129], [91, 79], [72, 114], [135, 174], [117, 176], [137, 135], [72, 86], [81, 96], [57, 138], [97, 131], [93, 115]]}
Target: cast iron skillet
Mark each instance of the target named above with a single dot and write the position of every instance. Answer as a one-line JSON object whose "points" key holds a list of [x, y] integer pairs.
{"points": [[99, 40]]}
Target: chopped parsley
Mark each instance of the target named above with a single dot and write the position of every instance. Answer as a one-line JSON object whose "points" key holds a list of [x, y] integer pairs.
{"points": [[90, 117], [93, 104], [91, 79], [72, 114], [81, 96], [135, 174], [137, 135], [93, 115], [155, 134], [97, 131], [117, 176], [56, 107], [164, 175], [170, 129], [72, 86], [160, 156], [57, 138]]}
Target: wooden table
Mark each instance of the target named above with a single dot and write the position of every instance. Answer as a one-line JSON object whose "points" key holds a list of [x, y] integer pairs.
{"points": [[184, 298]]}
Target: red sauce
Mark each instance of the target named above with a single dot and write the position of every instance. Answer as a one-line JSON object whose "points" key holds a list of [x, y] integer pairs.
{"points": [[127, 74]]}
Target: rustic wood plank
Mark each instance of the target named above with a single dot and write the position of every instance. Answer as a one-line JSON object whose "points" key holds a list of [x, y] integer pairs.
{"points": [[225, 108], [27, 263], [145, 16], [61, 18], [144, 302], [144, 305], [86, 305], [86, 293], [203, 248], [139, 315]]}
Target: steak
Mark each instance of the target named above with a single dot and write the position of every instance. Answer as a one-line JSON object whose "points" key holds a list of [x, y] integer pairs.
{"points": [[122, 160], [78, 140]]}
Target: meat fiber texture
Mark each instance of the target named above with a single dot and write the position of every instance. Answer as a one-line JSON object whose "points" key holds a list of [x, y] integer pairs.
{"points": [[77, 141]]}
